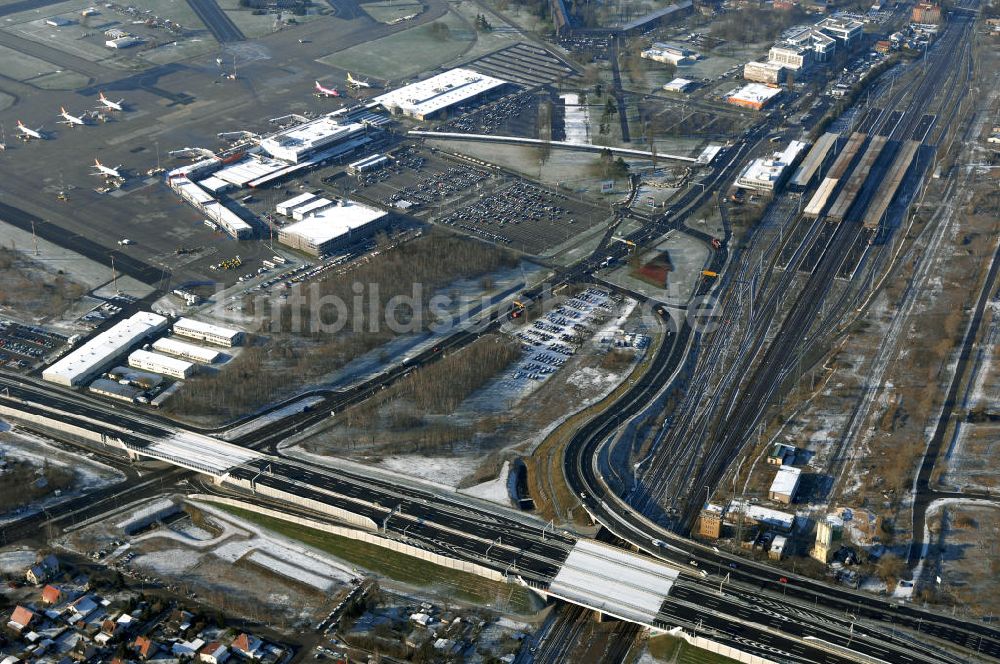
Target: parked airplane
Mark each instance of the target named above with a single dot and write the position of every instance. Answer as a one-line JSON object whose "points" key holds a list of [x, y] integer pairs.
{"points": [[70, 119], [27, 133], [357, 83], [107, 171], [112, 105], [326, 92]]}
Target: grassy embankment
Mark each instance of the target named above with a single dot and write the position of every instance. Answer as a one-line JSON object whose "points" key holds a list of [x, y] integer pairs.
{"points": [[546, 481], [459, 586]]}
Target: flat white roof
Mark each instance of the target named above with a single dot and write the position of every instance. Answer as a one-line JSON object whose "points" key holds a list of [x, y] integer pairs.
{"points": [[226, 217], [151, 361], [764, 515], [786, 480], [298, 140], [184, 349], [773, 66], [614, 581], [214, 184], [771, 169], [199, 327], [242, 172], [439, 92], [104, 347], [333, 222], [755, 92], [678, 84], [284, 207], [316, 204], [193, 192]]}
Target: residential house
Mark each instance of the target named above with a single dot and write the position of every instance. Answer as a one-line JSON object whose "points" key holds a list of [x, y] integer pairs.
{"points": [[145, 647], [21, 619], [52, 594], [42, 571], [246, 645], [213, 653]]}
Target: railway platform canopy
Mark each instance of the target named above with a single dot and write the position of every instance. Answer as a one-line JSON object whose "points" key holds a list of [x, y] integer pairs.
{"points": [[613, 582]]}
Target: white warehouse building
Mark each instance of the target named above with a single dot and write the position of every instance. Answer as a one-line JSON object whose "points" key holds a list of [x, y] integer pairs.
{"points": [[214, 334], [186, 351], [89, 359], [285, 208], [333, 227], [438, 94], [161, 364]]}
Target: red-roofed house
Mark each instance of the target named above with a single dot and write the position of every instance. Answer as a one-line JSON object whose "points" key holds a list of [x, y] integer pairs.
{"points": [[21, 617], [145, 647], [246, 645], [52, 594], [213, 653]]}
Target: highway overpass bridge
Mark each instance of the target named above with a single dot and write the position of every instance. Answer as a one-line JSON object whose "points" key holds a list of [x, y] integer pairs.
{"points": [[490, 540], [561, 145]]}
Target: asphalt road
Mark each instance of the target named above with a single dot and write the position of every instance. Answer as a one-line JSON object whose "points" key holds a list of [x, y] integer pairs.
{"points": [[216, 20], [585, 479]]}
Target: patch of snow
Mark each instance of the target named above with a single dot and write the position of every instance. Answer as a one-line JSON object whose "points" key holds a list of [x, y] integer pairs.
{"points": [[149, 512], [169, 561], [17, 560], [293, 572], [494, 490], [277, 547], [592, 376], [443, 470], [576, 122], [297, 406]]}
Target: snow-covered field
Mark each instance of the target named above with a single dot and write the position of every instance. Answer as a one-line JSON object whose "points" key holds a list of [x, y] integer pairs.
{"points": [[25, 446], [175, 561], [276, 547], [289, 571], [16, 560], [446, 470], [576, 122], [494, 490]]}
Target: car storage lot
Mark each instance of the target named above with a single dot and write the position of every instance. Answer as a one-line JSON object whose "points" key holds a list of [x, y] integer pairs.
{"points": [[477, 200], [23, 347]]}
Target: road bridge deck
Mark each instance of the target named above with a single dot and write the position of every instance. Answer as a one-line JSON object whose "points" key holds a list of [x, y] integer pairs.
{"points": [[566, 145], [614, 581]]}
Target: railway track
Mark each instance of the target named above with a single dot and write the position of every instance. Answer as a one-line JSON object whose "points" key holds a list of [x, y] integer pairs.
{"points": [[838, 250]]}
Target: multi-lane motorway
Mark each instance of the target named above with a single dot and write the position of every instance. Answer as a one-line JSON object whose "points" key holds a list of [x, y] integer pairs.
{"points": [[724, 598]]}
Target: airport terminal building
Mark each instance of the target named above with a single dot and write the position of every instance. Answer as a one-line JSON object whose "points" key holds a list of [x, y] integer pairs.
{"points": [[437, 95]]}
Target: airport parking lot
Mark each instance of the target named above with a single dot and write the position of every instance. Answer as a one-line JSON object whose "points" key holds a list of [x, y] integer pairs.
{"points": [[513, 115], [524, 217], [22, 346]]}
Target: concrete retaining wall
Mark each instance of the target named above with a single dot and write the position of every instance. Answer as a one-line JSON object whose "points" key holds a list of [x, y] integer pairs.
{"points": [[725, 651], [50, 423], [363, 536], [308, 503]]}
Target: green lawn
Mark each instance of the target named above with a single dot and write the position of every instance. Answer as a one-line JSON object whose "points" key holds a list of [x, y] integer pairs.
{"points": [[406, 53], [460, 586], [678, 651]]}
